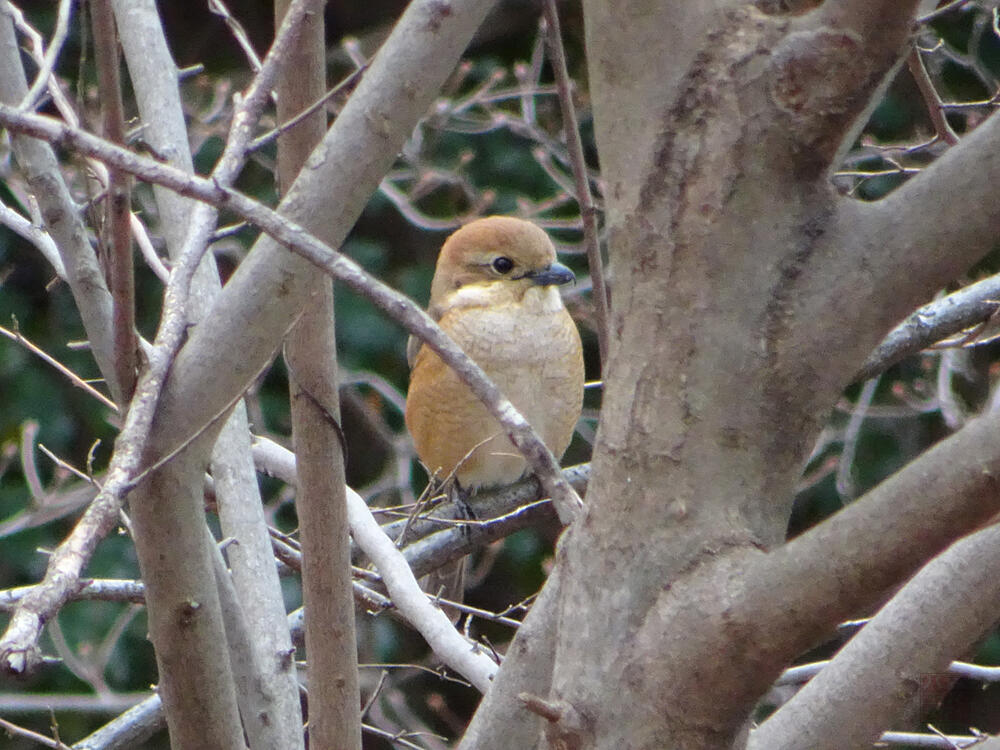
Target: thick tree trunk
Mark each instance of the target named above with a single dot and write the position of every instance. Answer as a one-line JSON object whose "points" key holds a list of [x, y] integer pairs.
{"points": [[747, 293]]}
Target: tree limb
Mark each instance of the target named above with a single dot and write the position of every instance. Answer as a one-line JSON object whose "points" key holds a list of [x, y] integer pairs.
{"points": [[241, 513], [433, 624], [937, 320], [869, 681], [846, 563], [59, 212], [320, 501]]}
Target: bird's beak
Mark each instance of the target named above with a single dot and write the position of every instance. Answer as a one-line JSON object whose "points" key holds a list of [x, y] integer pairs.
{"points": [[554, 275]]}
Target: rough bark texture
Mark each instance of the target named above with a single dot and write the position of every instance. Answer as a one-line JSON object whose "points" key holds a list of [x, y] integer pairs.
{"points": [[747, 293], [701, 438]]}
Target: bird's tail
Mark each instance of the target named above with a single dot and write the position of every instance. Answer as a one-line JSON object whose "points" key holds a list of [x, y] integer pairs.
{"points": [[447, 584]]}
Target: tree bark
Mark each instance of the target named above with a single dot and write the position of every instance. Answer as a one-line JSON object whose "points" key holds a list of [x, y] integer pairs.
{"points": [[747, 293], [321, 502]]}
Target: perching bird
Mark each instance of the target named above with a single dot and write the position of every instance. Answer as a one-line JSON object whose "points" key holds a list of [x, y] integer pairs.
{"points": [[495, 293]]}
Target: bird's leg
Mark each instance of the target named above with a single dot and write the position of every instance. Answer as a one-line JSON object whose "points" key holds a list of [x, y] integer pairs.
{"points": [[461, 497]]}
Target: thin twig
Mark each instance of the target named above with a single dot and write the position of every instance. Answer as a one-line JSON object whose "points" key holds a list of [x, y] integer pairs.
{"points": [[66, 465], [942, 128], [41, 739], [29, 468], [19, 644], [270, 135], [844, 479], [51, 56], [418, 218], [153, 260], [528, 76], [993, 101], [72, 376], [394, 738], [952, 411], [236, 29], [583, 195], [936, 14], [375, 693]]}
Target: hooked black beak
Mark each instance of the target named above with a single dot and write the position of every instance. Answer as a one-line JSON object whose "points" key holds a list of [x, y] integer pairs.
{"points": [[555, 275]]}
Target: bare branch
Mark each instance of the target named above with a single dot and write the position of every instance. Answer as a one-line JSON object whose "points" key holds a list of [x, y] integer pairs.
{"points": [[942, 128], [51, 56], [84, 703], [934, 322], [18, 731], [583, 196], [35, 235], [236, 29], [902, 227], [433, 623], [118, 215], [321, 506], [884, 663], [946, 8], [885, 535], [61, 368], [262, 140], [129, 730]]}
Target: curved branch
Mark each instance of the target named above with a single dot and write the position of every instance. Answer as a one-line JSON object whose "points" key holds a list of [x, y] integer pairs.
{"points": [[911, 226], [933, 322], [867, 684], [882, 537], [431, 621]]}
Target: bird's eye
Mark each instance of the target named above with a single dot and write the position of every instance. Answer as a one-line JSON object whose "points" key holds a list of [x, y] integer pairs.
{"points": [[503, 264]]}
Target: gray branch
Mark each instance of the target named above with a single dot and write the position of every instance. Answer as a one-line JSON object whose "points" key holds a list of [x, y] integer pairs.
{"points": [[933, 322]]}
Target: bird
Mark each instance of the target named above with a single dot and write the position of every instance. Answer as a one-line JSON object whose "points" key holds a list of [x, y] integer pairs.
{"points": [[495, 292]]}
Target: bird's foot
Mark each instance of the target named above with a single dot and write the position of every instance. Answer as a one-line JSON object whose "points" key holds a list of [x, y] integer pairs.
{"points": [[464, 511]]}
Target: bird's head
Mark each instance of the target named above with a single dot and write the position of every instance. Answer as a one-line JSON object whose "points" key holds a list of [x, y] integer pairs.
{"points": [[497, 253]]}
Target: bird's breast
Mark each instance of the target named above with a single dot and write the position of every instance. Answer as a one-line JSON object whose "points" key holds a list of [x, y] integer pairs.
{"points": [[531, 349], [537, 330]]}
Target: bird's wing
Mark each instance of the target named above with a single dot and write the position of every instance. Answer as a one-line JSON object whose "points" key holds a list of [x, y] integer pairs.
{"points": [[413, 345]]}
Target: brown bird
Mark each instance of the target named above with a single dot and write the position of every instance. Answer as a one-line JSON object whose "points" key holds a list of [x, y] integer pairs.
{"points": [[495, 293]]}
